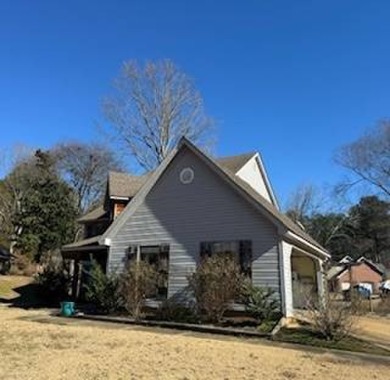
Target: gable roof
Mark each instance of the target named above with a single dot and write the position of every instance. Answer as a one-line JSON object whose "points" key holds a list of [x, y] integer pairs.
{"points": [[97, 213], [338, 270], [235, 163], [125, 185], [238, 184], [371, 264]]}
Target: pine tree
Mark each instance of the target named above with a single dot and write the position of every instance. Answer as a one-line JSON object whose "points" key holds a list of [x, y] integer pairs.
{"points": [[47, 216]]}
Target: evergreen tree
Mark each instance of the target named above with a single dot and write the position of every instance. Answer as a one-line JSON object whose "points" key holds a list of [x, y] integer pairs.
{"points": [[371, 220], [47, 216]]}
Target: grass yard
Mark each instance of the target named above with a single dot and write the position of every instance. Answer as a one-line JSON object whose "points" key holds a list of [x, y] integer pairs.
{"points": [[36, 346], [9, 286], [305, 336]]}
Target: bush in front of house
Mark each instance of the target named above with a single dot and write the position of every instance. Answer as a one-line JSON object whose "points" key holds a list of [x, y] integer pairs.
{"points": [[215, 284], [55, 281], [261, 303], [102, 290], [175, 311], [331, 318], [138, 281]]}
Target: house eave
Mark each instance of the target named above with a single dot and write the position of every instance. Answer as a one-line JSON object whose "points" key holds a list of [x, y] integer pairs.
{"points": [[119, 198], [307, 245]]}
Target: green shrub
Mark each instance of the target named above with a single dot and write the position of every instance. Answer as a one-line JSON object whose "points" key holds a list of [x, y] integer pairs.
{"points": [[215, 284], [102, 290], [138, 281], [55, 282], [173, 311], [261, 303]]}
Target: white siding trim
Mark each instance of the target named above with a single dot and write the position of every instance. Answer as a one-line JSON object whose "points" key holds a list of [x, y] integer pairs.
{"points": [[321, 280], [286, 280], [313, 248], [254, 173]]}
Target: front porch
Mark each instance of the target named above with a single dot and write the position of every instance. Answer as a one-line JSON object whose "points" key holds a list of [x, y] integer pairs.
{"points": [[304, 278], [80, 256]]}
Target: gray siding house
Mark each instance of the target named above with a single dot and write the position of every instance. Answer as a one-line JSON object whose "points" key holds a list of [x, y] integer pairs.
{"points": [[191, 206]]}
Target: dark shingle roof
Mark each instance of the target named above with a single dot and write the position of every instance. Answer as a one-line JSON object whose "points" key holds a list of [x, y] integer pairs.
{"points": [[125, 185], [97, 213], [83, 243], [234, 163]]}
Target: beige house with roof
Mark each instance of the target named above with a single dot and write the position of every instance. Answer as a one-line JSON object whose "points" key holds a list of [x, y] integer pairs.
{"points": [[193, 206]]}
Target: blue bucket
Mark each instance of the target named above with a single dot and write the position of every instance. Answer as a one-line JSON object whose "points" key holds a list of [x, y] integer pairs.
{"points": [[67, 309]]}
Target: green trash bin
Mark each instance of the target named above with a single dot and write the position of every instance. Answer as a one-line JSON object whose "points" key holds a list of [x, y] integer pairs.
{"points": [[67, 308]]}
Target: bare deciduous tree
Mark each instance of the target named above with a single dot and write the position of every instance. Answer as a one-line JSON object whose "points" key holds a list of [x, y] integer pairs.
{"points": [[154, 105], [85, 167], [15, 163], [303, 202], [368, 159]]}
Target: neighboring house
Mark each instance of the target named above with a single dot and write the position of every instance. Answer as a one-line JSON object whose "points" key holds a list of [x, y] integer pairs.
{"points": [[5, 260], [193, 206], [361, 272]]}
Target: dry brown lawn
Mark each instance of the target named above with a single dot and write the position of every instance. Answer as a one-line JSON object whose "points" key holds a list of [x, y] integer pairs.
{"points": [[9, 284], [376, 329], [35, 346]]}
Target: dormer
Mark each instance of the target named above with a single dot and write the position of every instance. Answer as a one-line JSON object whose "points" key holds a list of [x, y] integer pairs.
{"points": [[121, 188], [250, 168]]}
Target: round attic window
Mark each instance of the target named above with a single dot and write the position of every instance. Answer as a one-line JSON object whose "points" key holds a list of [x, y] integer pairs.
{"points": [[186, 176]]}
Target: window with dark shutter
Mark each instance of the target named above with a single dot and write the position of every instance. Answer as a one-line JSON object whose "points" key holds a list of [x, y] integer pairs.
{"points": [[158, 257], [246, 257], [131, 253]]}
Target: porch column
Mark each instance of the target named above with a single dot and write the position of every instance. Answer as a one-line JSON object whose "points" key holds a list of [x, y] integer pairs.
{"points": [[321, 287], [75, 278], [286, 280]]}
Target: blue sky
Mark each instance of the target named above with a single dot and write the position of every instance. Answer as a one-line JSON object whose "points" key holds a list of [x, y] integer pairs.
{"points": [[292, 79]]}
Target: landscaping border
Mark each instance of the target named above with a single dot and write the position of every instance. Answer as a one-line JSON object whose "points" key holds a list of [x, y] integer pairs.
{"points": [[208, 329]]}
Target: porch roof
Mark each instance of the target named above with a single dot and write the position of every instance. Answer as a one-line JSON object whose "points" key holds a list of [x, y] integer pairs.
{"points": [[79, 249], [90, 243]]}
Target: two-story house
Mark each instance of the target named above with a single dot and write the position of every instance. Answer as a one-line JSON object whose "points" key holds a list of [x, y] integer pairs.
{"points": [[193, 205]]}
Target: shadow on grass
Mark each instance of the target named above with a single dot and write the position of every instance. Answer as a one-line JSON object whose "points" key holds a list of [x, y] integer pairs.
{"points": [[29, 296], [305, 336]]}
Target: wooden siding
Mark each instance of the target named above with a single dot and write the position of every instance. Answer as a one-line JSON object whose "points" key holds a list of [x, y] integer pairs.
{"points": [[118, 208], [185, 215]]}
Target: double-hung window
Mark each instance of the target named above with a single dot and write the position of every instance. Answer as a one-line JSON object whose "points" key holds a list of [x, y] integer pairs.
{"points": [[240, 249], [158, 257]]}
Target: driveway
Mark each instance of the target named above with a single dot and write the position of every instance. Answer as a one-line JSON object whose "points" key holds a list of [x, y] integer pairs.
{"points": [[375, 329]]}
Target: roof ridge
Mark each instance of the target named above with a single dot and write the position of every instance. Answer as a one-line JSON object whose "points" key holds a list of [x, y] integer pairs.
{"points": [[110, 172], [249, 153]]}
